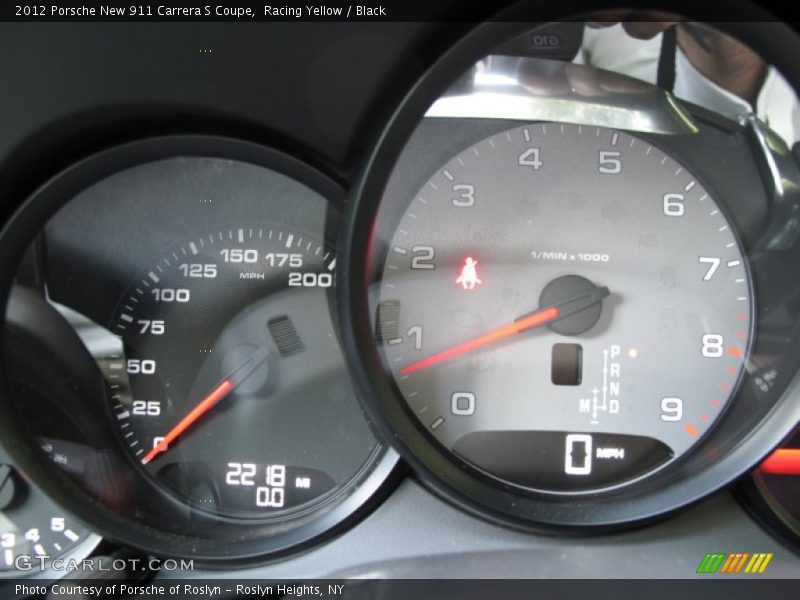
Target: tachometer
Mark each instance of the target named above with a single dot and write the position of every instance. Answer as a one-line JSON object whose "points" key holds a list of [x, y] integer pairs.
{"points": [[565, 308], [559, 296]]}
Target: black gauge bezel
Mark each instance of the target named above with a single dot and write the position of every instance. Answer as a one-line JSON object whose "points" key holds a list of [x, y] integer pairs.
{"points": [[229, 543], [673, 488]]}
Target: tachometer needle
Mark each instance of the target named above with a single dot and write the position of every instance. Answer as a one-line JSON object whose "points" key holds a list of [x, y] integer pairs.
{"points": [[222, 389], [539, 317]]}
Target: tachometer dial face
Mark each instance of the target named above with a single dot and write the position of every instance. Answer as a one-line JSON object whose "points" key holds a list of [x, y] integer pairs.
{"points": [[564, 308], [231, 391]]}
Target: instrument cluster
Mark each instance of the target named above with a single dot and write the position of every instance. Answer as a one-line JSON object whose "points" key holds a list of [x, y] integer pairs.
{"points": [[562, 296]]}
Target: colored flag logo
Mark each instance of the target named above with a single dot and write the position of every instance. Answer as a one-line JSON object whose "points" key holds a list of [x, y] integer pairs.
{"points": [[733, 563]]}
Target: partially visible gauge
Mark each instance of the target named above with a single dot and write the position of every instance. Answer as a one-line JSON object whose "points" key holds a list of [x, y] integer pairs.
{"points": [[191, 280], [773, 491], [33, 529]]}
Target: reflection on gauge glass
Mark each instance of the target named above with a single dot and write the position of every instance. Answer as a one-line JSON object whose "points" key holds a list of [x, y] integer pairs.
{"points": [[229, 390], [564, 308]]}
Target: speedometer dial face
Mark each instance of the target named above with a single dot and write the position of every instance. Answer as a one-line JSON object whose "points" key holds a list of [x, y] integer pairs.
{"points": [[194, 281], [231, 392], [548, 357]]}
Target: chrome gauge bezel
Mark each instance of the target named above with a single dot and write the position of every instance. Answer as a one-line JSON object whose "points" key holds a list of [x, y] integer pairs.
{"points": [[212, 542], [737, 444]]}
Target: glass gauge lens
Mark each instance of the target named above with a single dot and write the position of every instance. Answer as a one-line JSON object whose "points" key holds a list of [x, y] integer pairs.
{"points": [[230, 390], [547, 357]]}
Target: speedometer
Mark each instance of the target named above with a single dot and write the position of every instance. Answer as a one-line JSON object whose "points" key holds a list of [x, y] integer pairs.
{"points": [[228, 387], [564, 308], [191, 280]]}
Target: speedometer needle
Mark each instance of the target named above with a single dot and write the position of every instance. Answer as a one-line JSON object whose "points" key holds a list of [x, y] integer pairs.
{"points": [[218, 393], [539, 317], [222, 389]]}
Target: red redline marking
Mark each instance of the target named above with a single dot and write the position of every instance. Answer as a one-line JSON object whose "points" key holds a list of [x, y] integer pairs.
{"points": [[724, 387], [784, 461], [704, 417], [741, 316], [715, 403], [217, 394], [731, 370], [540, 317], [740, 334], [690, 430]]}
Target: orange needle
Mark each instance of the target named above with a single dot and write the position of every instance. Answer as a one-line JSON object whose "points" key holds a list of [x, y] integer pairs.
{"points": [[218, 393], [784, 461], [540, 317], [563, 308], [222, 389]]}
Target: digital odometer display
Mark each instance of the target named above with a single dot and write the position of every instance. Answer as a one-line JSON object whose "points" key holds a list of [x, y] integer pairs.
{"points": [[564, 308]]}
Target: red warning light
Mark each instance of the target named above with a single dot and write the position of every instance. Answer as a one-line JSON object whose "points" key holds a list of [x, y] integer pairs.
{"points": [[469, 274]]}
